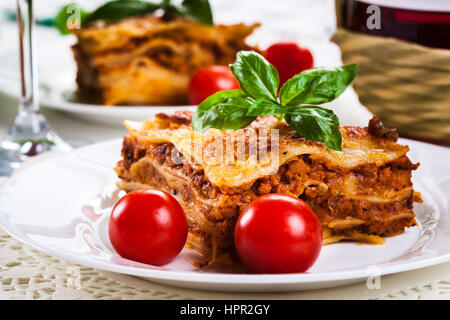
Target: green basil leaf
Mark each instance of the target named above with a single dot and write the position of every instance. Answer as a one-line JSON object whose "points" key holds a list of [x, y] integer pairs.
{"points": [[317, 85], [316, 124], [223, 110], [264, 107], [256, 76], [117, 10], [69, 11], [198, 10], [166, 3]]}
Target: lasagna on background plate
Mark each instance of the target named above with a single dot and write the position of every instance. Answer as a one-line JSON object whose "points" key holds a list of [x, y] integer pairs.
{"points": [[150, 59], [362, 193]]}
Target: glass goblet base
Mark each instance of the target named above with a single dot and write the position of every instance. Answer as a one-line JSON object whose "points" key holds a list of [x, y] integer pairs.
{"points": [[28, 137]]}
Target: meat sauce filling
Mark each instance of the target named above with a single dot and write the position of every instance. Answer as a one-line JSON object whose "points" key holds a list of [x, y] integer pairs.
{"points": [[314, 182]]}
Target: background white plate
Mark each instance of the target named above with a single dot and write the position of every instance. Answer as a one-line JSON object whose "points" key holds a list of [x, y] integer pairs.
{"points": [[61, 206]]}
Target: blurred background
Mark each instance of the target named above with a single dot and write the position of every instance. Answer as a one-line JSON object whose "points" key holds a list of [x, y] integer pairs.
{"points": [[309, 22], [405, 82]]}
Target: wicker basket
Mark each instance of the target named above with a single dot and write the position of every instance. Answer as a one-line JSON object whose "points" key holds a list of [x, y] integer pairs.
{"points": [[406, 85]]}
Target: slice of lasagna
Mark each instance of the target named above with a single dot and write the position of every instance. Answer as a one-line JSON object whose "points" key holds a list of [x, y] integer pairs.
{"points": [[150, 59], [362, 193]]}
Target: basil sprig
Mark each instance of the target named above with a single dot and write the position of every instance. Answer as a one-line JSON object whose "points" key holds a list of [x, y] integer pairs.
{"points": [[197, 10], [297, 102]]}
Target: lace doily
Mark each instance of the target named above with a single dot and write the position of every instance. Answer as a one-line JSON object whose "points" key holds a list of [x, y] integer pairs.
{"points": [[26, 273]]}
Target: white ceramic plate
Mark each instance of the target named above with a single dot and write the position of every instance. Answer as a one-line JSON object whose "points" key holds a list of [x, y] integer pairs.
{"points": [[61, 205]]}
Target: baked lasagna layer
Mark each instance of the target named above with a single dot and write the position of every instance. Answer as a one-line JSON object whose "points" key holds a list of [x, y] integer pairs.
{"points": [[362, 193], [149, 59]]}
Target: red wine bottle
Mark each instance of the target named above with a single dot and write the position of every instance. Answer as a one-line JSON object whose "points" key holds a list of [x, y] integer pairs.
{"points": [[423, 22]]}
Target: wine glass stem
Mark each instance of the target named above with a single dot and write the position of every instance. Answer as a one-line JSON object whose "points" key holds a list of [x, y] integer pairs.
{"points": [[30, 134], [27, 62], [29, 122]]}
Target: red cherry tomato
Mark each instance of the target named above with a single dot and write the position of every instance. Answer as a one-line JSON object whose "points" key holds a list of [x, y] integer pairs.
{"points": [[278, 234], [289, 59], [148, 226], [208, 81]]}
